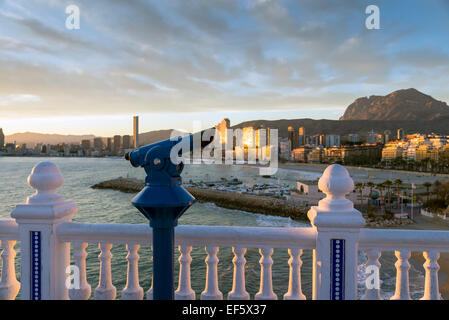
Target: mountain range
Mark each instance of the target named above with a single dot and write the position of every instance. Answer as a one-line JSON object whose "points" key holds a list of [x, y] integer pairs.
{"points": [[408, 109], [34, 138]]}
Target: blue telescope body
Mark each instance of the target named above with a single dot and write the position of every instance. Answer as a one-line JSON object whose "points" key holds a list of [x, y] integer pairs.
{"points": [[162, 201]]}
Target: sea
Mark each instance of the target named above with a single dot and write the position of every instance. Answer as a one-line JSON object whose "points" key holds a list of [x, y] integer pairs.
{"points": [[110, 206]]}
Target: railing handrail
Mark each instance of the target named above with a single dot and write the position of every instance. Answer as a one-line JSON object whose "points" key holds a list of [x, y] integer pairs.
{"points": [[413, 240], [9, 229], [304, 237], [193, 235]]}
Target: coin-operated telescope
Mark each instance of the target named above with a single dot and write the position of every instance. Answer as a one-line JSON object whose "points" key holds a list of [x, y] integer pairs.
{"points": [[163, 200]]}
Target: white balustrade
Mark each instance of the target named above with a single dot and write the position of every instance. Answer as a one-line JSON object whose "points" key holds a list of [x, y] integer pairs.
{"points": [[238, 291], [402, 265], [184, 291], [211, 291], [431, 290], [132, 290], [9, 286], [372, 291], [105, 289], [84, 290], [47, 216], [266, 285], [294, 285], [149, 293]]}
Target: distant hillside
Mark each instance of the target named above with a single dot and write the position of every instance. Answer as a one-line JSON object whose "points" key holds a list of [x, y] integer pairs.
{"points": [[32, 138], [343, 127], [154, 136], [407, 104]]}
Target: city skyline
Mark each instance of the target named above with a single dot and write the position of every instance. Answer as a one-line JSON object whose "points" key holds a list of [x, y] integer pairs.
{"points": [[241, 60]]}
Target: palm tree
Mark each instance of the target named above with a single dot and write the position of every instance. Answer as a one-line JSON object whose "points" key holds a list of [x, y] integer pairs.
{"points": [[380, 187], [427, 185], [388, 184], [359, 187], [398, 184], [371, 186]]}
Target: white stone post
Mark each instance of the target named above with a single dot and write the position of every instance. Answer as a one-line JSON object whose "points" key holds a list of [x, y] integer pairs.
{"points": [[211, 291], [238, 291], [9, 286], [184, 291], [431, 290], [338, 226], [44, 259], [294, 284]]}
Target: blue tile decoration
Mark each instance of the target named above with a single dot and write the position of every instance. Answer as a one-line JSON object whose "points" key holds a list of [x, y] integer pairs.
{"points": [[35, 265], [337, 269]]}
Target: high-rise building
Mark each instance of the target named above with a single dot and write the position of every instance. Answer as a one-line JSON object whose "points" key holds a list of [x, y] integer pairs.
{"points": [[135, 132], [319, 140], [387, 136], [332, 140], [126, 142], [109, 144], [98, 143], [222, 127], [372, 137], [301, 136], [2, 139], [117, 143], [353, 137], [293, 138], [85, 144], [401, 134]]}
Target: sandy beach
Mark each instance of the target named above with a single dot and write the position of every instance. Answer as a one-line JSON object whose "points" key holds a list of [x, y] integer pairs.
{"points": [[362, 174]]}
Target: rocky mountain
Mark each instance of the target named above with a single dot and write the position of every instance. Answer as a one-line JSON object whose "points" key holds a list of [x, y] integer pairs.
{"points": [[407, 104]]}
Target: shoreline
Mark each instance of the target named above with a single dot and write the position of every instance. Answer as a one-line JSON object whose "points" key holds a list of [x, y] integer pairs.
{"points": [[225, 199], [322, 166]]}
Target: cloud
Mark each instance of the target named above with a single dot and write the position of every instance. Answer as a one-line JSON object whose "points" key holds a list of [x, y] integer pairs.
{"points": [[18, 99], [199, 56]]}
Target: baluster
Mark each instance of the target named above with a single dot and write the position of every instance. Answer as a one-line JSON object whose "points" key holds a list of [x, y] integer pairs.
{"points": [[431, 290], [9, 286], [132, 291], [84, 290], [150, 291], [372, 291], [266, 285], [184, 291], [105, 289], [211, 292], [402, 281], [238, 291], [294, 284]]}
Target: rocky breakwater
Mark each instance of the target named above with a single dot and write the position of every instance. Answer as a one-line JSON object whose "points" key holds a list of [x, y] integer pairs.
{"points": [[226, 199]]}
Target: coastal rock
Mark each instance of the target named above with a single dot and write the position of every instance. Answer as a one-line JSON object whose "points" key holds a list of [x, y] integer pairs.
{"points": [[230, 200]]}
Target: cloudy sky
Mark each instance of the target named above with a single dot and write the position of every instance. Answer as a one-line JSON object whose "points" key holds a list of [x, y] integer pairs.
{"points": [[177, 61]]}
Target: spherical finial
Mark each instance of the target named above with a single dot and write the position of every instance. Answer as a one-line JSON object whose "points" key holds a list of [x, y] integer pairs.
{"points": [[45, 177], [336, 181]]}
